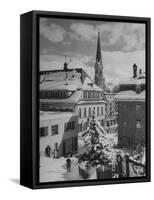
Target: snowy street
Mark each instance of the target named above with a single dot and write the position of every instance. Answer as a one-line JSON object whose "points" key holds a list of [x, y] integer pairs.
{"points": [[55, 169], [52, 170]]}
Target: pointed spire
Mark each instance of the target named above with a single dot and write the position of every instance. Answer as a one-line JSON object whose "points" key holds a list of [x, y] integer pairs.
{"points": [[98, 53]]}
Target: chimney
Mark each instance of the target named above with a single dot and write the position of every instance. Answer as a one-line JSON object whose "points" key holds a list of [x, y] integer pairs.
{"points": [[140, 71], [134, 71]]}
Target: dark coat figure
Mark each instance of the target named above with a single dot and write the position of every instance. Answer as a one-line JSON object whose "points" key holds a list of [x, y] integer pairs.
{"points": [[48, 151], [68, 164], [119, 166]]}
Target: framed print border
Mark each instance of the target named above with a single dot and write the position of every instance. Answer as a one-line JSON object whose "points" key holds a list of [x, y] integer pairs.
{"points": [[29, 98]]}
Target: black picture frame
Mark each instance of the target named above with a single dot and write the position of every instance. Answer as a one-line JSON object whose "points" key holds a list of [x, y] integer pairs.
{"points": [[29, 98]]}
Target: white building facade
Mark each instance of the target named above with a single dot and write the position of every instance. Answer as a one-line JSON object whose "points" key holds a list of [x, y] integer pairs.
{"points": [[58, 133]]}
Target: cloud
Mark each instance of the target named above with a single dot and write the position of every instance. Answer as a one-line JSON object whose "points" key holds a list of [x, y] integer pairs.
{"points": [[117, 65], [122, 36], [52, 32], [83, 31], [67, 43], [51, 62]]}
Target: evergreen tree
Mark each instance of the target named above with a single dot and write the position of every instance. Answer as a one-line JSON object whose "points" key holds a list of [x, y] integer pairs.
{"points": [[95, 138]]}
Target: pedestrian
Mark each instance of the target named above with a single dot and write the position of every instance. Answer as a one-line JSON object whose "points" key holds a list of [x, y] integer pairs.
{"points": [[119, 166], [68, 164], [53, 153], [48, 151]]}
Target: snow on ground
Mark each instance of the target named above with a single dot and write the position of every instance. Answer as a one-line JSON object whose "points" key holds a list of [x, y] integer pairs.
{"points": [[52, 170]]}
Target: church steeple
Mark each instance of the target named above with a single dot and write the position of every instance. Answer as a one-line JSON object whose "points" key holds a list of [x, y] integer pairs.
{"points": [[98, 53], [99, 79]]}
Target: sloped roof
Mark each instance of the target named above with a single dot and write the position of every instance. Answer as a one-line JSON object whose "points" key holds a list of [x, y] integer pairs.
{"points": [[140, 79], [58, 81]]}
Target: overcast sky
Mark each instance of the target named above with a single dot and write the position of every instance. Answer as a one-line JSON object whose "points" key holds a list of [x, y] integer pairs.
{"points": [[123, 44]]}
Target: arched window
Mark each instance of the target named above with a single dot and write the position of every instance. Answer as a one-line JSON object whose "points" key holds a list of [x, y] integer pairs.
{"points": [[97, 110], [93, 111], [89, 111], [80, 112], [85, 112], [101, 110]]}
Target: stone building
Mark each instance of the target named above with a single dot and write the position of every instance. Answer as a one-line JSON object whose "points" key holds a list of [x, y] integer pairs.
{"points": [[131, 110]]}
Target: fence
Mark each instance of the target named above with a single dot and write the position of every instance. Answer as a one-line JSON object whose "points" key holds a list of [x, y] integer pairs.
{"points": [[140, 170], [125, 168]]}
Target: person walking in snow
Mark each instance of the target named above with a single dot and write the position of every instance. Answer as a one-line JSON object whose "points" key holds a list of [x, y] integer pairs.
{"points": [[68, 164], [119, 166]]}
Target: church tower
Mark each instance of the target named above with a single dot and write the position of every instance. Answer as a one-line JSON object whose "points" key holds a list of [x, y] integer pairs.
{"points": [[99, 79]]}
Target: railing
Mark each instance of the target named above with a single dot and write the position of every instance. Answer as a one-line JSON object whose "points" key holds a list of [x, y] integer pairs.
{"points": [[124, 168], [140, 171]]}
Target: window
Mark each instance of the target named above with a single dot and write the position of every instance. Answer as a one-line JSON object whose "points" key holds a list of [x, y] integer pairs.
{"points": [[70, 126], [90, 94], [124, 107], [85, 94], [97, 110], [54, 129], [93, 94], [97, 94], [138, 108], [89, 111], [85, 112], [101, 110], [139, 124], [93, 111], [124, 124], [80, 112], [76, 144], [48, 93], [43, 131], [80, 127]]}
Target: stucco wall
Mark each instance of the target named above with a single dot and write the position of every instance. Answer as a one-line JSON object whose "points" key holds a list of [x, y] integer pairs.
{"points": [[61, 136]]}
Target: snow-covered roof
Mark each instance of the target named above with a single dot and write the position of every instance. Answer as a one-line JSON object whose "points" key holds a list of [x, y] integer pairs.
{"points": [[110, 93], [89, 85], [55, 115], [130, 95], [140, 76], [58, 81], [71, 85], [139, 79], [133, 82]]}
